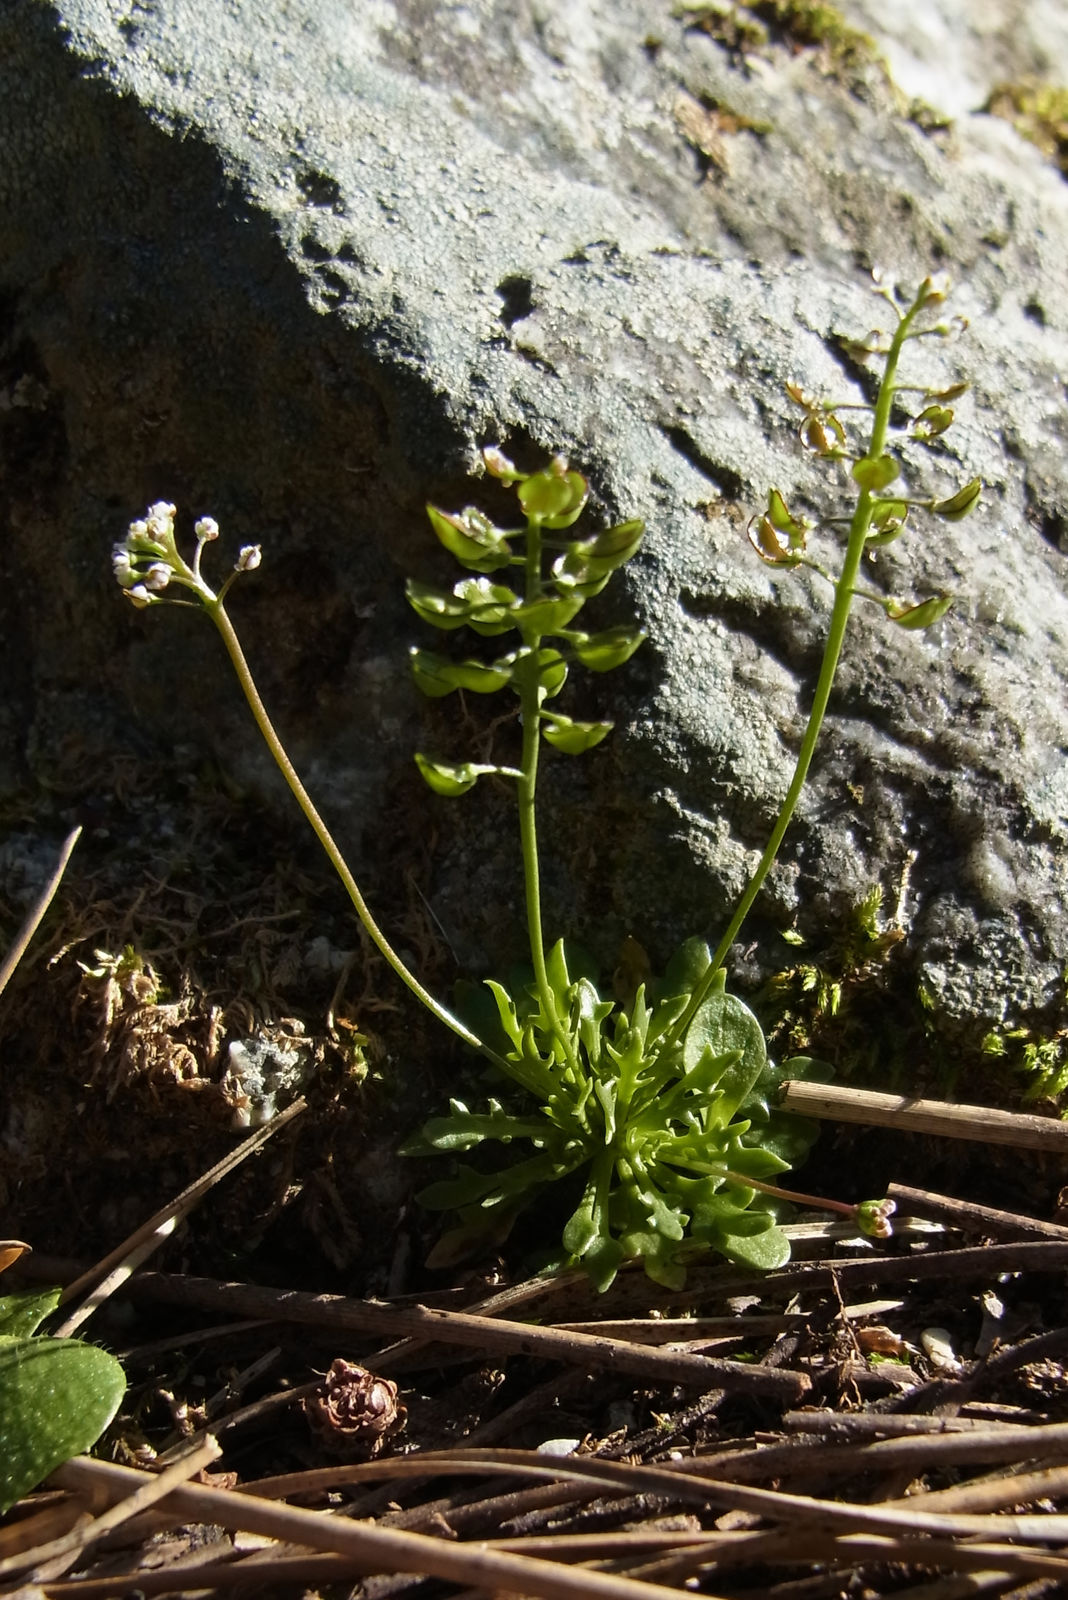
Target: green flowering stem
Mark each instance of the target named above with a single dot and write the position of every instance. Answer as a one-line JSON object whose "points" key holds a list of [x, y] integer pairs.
{"points": [[872, 1217], [526, 792], [217, 612], [845, 586], [530, 698]]}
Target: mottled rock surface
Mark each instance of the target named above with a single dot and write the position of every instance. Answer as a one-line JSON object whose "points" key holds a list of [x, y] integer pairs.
{"points": [[293, 263]]}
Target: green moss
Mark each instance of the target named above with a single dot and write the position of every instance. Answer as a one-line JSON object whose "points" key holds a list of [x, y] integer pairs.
{"points": [[855, 1003], [802, 24], [1038, 111], [829, 1003], [1039, 1054]]}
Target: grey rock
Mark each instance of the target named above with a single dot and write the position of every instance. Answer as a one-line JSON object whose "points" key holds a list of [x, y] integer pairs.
{"points": [[291, 264]]}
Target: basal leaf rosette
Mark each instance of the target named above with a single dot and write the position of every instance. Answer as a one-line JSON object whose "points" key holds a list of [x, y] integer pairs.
{"points": [[665, 1140]]}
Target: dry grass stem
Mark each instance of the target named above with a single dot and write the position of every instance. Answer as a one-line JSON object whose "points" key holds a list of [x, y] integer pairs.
{"points": [[37, 911], [972, 1218], [149, 1492], [342, 1314], [980, 1123]]}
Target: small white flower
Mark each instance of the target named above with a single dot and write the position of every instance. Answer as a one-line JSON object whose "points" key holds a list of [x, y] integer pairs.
{"points": [[207, 528], [158, 576], [122, 565], [139, 595], [138, 530], [249, 558], [161, 521]]}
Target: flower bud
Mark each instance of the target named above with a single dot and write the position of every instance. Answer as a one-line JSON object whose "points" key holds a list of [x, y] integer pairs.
{"points": [[873, 1218], [158, 576], [122, 565], [934, 290], [161, 521], [248, 558], [498, 465], [206, 529]]}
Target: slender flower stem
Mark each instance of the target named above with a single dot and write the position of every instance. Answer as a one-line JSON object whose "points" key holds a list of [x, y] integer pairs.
{"points": [[218, 615], [859, 527], [526, 793]]}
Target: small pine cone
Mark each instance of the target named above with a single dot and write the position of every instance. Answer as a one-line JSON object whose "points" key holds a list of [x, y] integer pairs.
{"points": [[353, 1412]]}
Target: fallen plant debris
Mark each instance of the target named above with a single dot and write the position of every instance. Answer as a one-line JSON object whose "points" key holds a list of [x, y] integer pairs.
{"points": [[890, 1471], [883, 1490], [876, 1480]]}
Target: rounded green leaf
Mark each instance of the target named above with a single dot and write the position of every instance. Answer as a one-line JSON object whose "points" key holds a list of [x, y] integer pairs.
{"points": [[22, 1314], [875, 472], [548, 614], [603, 651], [437, 675], [573, 738], [451, 778], [764, 1251], [554, 497], [472, 538], [724, 1027], [56, 1398]]}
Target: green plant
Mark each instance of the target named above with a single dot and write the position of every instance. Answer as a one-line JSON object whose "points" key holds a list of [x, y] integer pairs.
{"points": [[664, 1105], [56, 1395], [1040, 1055]]}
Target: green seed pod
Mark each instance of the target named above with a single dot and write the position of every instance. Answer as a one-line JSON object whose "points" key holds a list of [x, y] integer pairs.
{"points": [[957, 507]]}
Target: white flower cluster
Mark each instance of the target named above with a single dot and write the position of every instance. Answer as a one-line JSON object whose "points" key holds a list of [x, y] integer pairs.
{"points": [[148, 559]]}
